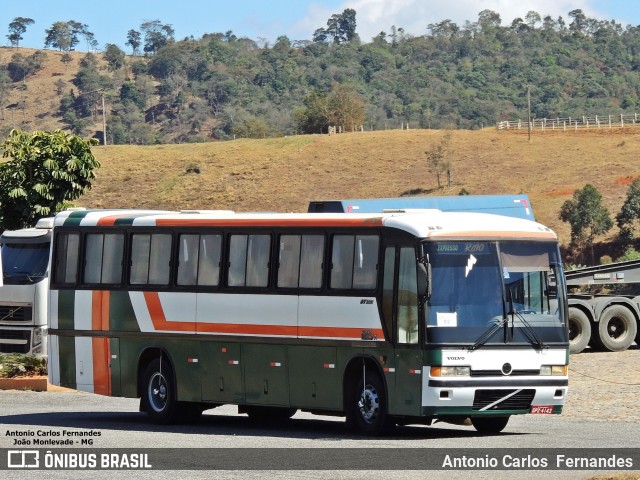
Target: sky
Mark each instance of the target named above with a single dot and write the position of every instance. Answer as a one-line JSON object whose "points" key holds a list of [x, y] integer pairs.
{"points": [[267, 19]]}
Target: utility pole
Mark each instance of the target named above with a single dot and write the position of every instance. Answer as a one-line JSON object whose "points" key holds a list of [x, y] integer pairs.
{"points": [[104, 115], [528, 109], [104, 121]]}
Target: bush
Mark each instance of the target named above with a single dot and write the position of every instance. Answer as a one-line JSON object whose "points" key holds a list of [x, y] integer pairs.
{"points": [[17, 365]]}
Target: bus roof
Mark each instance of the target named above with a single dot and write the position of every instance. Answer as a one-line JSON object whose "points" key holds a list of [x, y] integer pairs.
{"points": [[517, 206], [423, 224]]}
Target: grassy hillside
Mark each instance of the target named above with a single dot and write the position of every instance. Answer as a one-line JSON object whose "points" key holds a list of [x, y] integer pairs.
{"points": [[285, 174], [34, 103]]}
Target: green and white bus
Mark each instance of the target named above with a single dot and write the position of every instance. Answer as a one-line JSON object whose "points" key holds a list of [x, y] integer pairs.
{"points": [[387, 318]]}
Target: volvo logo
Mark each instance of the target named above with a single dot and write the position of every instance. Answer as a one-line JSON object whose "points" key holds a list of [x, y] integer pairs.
{"points": [[507, 369]]}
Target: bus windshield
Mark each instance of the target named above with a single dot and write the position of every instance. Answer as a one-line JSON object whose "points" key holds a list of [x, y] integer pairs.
{"points": [[24, 263], [495, 292]]}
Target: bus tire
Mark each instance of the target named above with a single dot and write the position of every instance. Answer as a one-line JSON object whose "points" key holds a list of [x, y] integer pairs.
{"points": [[489, 424], [367, 406], [617, 328], [159, 392], [579, 330]]}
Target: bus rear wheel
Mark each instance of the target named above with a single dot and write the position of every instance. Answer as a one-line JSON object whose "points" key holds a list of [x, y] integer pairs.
{"points": [[367, 406], [489, 424], [159, 392]]}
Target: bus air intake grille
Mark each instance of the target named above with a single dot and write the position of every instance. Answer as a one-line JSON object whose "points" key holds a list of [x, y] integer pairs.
{"points": [[498, 373], [503, 399]]}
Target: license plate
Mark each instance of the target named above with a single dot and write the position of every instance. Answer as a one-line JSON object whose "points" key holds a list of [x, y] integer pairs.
{"points": [[541, 409]]}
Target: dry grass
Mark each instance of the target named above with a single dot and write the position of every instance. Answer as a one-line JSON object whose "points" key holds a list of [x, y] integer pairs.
{"points": [[284, 174]]}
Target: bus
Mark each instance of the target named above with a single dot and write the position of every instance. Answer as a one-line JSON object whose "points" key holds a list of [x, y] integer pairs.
{"points": [[386, 319], [24, 289]]}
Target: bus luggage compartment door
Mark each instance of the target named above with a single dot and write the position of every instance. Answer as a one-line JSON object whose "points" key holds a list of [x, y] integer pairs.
{"points": [[266, 374]]}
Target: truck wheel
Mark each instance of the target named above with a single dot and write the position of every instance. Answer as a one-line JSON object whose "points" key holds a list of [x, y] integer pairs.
{"points": [[159, 392], [489, 424], [617, 328], [579, 330]]}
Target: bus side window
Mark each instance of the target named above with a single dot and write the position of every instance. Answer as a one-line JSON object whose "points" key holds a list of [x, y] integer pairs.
{"points": [[188, 259], [311, 261], [342, 261], [66, 260], [139, 273], [354, 262], [407, 309], [103, 258], [249, 260], [258, 252], [300, 261], [209, 260], [365, 266], [150, 259], [289, 261]]}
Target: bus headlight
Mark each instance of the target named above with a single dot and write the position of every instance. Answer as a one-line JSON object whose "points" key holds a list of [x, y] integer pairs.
{"points": [[553, 370], [450, 371]]}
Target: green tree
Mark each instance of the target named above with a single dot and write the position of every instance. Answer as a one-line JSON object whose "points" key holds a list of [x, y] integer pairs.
{"points": [[312, 118], [66, 59], [156, 35], [114, 56], [61, 36], [341, 28], [16, 28], [630, 212], [44, 170], [134, 40], [345, 108], [587, 216]]}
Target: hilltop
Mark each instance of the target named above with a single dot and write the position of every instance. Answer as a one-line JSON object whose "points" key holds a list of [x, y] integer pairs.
{"points": [[284, 174]]}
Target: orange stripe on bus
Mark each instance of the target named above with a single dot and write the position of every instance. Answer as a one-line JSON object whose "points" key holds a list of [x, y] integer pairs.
{"points": [[339, 332], [101, 357], [110, 220], [158, 319], [106, 298], [248, 329], [269, 222], [100, 310], [160, 323]]}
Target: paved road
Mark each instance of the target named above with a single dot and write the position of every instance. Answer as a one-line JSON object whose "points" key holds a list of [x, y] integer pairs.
{"points": [[121, 426]]}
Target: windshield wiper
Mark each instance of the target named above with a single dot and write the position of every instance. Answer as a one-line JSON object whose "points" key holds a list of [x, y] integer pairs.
{"points": [[21, 274], [530, 332], [484, 338]]}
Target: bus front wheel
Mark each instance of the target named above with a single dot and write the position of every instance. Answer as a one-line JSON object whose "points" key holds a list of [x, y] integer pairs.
{"points": [[367, 406], [489, 424], [159, 392]]}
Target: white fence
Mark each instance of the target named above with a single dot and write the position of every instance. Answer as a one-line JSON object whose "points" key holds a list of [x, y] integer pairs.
{"points": [[573, 123]]}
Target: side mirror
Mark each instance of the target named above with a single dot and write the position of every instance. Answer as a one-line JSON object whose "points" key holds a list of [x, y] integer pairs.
{"points": [[424, 280]]}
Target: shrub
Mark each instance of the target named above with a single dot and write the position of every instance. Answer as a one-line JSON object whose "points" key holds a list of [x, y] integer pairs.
{"points": [[17, 365]]}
